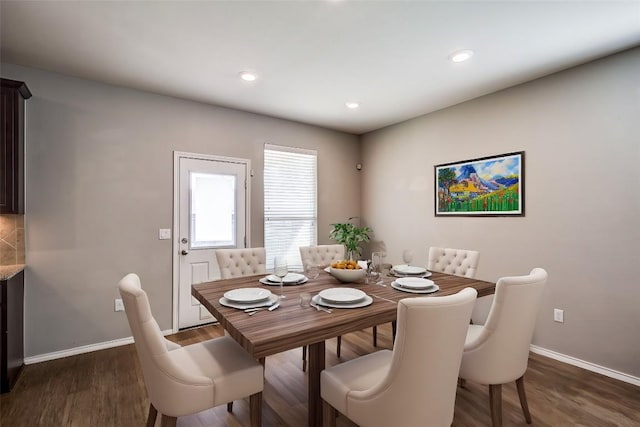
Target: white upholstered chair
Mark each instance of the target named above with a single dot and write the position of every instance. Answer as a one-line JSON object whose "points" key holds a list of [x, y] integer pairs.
{"points": [[322, 256], [413, 385], [241, 262], [460, 262], [185, 380], [498, 351]]}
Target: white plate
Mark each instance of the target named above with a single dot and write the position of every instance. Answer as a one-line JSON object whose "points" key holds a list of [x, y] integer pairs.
{"points": [[264, 281], [247, 295], [414, 282], [434, 288], [342, 295], [289, 279], [243, 306], [409, 269], [365, 302]]}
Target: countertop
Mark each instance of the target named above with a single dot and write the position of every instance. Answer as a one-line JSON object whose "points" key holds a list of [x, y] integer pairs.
{"points": [[8, 271]]}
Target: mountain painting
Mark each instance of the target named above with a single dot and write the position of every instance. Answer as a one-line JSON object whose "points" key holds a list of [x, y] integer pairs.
{"points": [[488, 186]]}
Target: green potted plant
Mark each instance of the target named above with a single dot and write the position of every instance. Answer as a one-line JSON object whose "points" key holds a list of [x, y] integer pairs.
{"points": [[351, 237]]}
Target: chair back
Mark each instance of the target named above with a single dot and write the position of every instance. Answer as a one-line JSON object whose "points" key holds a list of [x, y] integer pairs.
{"points": [[460, 262], [321, 255], [420, 386], [500, 348], [166, 382], [241, 262]]}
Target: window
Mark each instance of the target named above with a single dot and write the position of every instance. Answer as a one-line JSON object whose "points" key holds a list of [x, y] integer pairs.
{"points": [[213, 210], [290, 202]]}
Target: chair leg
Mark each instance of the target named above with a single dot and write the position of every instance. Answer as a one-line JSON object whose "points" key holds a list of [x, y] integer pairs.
{"points": [[230, 407], [304, 358], [153, 413], [375, 336], [339, 345], [168, 421], [255, 409], [329, 415], [495, 401], [523, 399], [462, 382]]}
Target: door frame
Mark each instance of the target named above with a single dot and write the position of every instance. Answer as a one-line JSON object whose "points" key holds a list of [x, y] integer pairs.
{"points": [[177, 155]]}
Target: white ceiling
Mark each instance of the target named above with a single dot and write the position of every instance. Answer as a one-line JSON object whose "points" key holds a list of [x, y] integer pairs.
{"points": [[312, 56]]}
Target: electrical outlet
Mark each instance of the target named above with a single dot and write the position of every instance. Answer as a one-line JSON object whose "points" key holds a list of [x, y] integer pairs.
{"points": [[558, 315], [119, 306]]}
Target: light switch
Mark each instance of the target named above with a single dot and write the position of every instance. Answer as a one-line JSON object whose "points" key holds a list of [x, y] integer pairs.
{"points": [[164, 234], [558, 315]]}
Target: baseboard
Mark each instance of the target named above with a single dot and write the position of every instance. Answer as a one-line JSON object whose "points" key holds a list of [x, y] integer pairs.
{"points": [[82, 349], [607, 372]]}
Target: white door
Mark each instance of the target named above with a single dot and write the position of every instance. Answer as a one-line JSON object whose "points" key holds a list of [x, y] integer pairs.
{"points": [[211, 213]]}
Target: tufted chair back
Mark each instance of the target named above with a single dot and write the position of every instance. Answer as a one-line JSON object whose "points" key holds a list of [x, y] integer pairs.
{"points": [[241, 262], [460, 262], [322, 255]]}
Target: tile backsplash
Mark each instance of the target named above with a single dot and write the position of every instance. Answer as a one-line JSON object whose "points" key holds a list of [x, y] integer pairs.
{"points": [[11, 239]]}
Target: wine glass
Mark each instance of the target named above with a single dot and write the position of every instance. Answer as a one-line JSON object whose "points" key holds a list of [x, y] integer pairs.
{"points": [[407, 256], [280, 269]]}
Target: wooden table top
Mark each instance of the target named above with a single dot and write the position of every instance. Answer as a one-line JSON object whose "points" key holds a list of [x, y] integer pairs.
{"points": [[292, 326]]}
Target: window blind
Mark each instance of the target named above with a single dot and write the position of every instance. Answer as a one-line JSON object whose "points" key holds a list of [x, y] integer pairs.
{"points": [[290, 202]]}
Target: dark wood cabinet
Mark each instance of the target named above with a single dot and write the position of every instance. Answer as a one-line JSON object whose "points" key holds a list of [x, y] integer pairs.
{"points": [[11, 330], [13, 94]]}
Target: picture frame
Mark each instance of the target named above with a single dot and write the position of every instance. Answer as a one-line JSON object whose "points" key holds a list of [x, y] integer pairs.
{"points": [[486, 186]]}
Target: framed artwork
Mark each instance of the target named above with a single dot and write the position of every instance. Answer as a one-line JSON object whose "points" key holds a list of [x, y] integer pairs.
{"points": [[488, 186]]}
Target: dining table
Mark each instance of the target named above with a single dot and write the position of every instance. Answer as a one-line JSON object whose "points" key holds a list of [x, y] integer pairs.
{"points": [[292, 326]]}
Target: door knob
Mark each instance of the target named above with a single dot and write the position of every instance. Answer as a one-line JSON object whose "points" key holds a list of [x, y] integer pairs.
{"points": [[184, 252]]}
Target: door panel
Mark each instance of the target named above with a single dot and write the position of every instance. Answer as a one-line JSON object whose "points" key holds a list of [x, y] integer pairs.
{"points": [[212, 212], [199, 274]]}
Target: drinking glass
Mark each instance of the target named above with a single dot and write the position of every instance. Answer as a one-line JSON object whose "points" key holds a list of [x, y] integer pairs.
{"points": [[311, 270], [305, 299], [280, 269], [377, 265], [376, 261], [407, 256]]}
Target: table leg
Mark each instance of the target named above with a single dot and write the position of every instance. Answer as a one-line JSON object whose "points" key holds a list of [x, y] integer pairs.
{"points": [[316, 365]]}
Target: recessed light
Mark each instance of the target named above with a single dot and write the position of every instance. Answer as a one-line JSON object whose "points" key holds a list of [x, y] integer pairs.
{"points": [[248, 76], [352, 104], [461, 55]]}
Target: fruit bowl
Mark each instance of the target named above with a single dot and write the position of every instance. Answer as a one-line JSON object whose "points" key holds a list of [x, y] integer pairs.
{"points": [[347, 276]]}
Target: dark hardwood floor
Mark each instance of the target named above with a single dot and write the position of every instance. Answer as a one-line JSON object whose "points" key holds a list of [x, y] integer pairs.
{"points": [[105, 388]]}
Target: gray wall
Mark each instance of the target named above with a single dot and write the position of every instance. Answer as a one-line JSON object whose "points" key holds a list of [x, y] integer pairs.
{"points": [[100, 185], [580, 131]]}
